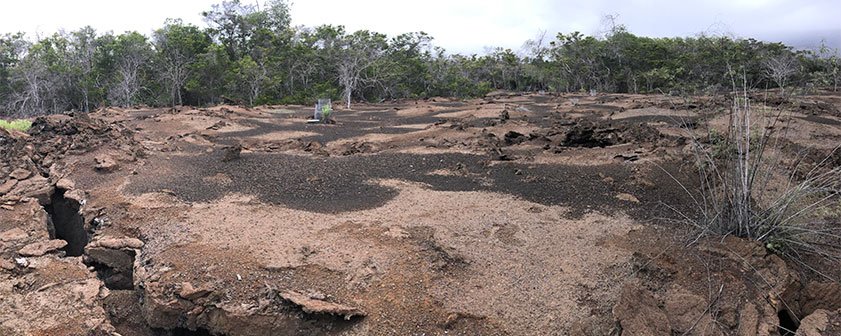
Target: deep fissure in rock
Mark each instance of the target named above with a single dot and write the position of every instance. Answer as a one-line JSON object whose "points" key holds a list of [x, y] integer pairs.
{"points": [[66, 223], [788, 325]]}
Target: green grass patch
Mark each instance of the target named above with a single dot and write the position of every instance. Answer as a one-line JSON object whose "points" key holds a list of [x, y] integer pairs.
{"points": [[21, 125]]}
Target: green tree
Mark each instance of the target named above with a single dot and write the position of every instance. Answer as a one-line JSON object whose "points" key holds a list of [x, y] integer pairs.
{"points": [[12, 46], [359, 52], [43, 79], [234, 24], [131, 51], [83, 45], [404, 70], [250, 76], [207, 82], [177, 47]]}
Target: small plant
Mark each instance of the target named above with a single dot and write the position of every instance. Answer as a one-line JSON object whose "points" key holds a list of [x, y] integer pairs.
{"points": [[722, 146], [21, 125], [326, 110], [719, 146]]}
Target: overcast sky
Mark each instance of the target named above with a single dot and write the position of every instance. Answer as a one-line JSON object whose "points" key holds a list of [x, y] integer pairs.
{"points": [[465, 26]]}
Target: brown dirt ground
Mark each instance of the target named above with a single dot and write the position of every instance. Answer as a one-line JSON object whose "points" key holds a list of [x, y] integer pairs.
{"points": [[509, 215]]}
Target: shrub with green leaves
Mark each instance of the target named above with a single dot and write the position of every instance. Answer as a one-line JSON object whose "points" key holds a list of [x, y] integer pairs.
{"points": [[21, 125]]}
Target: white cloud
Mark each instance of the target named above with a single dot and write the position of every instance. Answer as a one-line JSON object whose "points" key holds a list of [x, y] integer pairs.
{"points": [[44, 17]]}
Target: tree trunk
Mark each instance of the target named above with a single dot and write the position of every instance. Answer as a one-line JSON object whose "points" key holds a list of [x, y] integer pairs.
{"points": [[347, 97], [87, 106]]}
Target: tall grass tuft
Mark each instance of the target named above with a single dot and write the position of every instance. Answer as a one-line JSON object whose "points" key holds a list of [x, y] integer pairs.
{"points": [[747, 191]]}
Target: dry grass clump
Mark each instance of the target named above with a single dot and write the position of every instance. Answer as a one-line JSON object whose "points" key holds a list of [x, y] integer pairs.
{"points": [[746, 190]]}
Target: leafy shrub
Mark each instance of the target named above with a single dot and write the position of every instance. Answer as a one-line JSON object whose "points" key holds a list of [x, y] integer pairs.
{"points": [[21, 125]]}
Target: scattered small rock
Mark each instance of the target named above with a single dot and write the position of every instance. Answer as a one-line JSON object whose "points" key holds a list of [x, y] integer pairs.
{"points": [[318, 306], [13, 234], [6, 264], [219, 124], [66, 184], [504, 115], [191, 293], [117, 243], [41, 248], [6, 187], [22, 262], [20, 174], [104, 163], [355, 147], [231, 153], [396, 232], [627, 198]]}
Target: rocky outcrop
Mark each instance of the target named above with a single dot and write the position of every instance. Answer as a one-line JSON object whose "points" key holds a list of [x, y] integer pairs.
{"points": [[741, 295], [821, 323], [37, 187], [36, 303], [188, 305]]}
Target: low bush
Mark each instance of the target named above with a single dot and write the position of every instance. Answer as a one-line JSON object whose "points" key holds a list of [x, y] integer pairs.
{"points": [[21, 125]]}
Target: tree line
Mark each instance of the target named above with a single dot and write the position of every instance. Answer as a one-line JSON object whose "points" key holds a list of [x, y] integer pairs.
{"points": [[252, 55]]}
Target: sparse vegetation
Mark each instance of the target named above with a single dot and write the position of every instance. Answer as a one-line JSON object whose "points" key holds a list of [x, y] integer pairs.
{"points": [[22, 125]]}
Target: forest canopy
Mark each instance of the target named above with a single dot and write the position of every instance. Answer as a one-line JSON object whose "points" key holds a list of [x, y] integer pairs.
{"points": [[251, 56]]}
